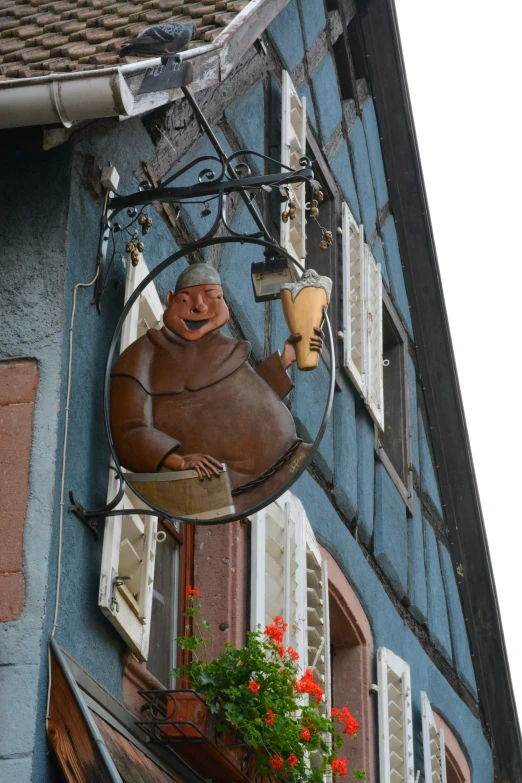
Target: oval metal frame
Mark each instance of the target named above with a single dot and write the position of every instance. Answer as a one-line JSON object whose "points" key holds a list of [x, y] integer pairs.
{"points": [[186, 250]]}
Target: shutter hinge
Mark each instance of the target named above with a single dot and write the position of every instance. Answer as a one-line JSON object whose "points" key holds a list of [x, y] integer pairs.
{"points": [[117, 581]]}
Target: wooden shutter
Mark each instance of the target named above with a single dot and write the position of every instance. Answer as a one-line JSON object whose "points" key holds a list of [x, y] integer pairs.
{"points": [[395, 719], [433, 745], [293, 147], [355, 317], [129, 541], [278, 570], [374, 378]]}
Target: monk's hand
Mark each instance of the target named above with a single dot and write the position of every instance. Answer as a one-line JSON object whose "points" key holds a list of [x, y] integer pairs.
{"points": [[288, 356], [317, 340], [204, 464]]}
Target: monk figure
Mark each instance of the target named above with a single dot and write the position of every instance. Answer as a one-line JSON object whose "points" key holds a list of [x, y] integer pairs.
{"points": [[185, 396]]}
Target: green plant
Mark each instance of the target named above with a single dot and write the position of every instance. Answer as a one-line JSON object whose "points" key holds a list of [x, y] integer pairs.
{"points": [[260, 690]]}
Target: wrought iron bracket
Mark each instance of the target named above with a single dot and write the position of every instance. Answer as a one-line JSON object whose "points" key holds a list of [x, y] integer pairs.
{"points": [[209, 189]]}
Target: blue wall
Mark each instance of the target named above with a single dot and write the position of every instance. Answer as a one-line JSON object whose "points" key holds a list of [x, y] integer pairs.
{"points": [[34, 203]]}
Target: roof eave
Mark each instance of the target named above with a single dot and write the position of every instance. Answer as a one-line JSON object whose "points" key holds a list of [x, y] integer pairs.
{"points": [[49, 99]]}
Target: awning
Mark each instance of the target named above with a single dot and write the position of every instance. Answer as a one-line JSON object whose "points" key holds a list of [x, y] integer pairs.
{"points": [[94, 737]]}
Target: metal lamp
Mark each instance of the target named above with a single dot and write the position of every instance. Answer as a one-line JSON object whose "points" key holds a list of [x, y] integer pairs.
{"points": [[268, 277]]}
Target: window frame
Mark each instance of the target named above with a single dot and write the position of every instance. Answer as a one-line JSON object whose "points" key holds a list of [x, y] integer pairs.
{"points": [[184, 539], [405, 488]]}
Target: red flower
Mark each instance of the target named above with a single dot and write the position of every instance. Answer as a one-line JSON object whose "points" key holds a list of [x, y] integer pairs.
{"points": [[277, 630], [305, 734], [253, 686], [292, 760], [276, 762], [270, 719], [194, 591], [340, 766], [307, 685], [280, 649], [294, 655], [351, 726]]}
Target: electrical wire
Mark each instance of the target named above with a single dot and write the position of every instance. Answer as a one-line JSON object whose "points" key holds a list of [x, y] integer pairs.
{"points": [[62, 486]]}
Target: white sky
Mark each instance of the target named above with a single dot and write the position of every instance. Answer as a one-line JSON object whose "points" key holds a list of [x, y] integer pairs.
{"points": [[464, 66]]}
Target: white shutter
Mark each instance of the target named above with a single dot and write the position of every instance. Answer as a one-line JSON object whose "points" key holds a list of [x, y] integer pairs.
{"points": [[290, 579], [374, 377], [395, 719], [293, 147], [146, 312], [318, 626], [355, 316], [278, 569], [129, 541], [362, 317], [433, 745]]}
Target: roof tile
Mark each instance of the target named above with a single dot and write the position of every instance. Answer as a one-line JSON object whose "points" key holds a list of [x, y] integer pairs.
{"points": [[28, 31], [8, 45], [46, 36], [6, 23], [58, 64], [35, 55], [51, 40], [68, 27]]}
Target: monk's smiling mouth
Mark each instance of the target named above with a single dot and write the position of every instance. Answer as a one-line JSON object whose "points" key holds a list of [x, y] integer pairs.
{"points": [[193, 326]]}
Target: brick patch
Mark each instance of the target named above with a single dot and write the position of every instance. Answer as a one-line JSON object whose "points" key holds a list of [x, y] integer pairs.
{"points": [[18, 384]]}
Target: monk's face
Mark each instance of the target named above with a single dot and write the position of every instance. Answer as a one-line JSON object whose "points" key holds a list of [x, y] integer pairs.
{"points": [[194, 312]]}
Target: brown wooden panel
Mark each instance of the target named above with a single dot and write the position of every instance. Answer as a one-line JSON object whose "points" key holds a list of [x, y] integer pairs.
{"points": [[69, 735], [131, 763]]}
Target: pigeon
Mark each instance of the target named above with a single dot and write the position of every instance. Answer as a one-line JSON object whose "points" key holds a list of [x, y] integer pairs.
{"points": [[163, 38]]}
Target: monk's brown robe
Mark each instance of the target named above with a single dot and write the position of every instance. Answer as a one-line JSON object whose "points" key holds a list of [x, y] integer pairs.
{"points": [[202, 396]]}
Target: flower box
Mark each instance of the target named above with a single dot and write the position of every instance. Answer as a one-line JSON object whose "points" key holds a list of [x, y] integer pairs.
{"points": [[181, 720]]}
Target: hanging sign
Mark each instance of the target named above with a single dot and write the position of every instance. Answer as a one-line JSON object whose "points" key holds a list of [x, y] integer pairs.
{"points": [[203, 434]]}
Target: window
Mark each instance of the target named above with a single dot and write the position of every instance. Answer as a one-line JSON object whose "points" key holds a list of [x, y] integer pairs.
{"points": [[432, 744], [293, 147], [129, 541], [376, 353], [395, 718], [351, 666], [393, 443], [289, 578], [362, 317]]}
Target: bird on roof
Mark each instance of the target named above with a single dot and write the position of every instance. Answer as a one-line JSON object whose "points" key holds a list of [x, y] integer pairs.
{"points": [[163, 38]]}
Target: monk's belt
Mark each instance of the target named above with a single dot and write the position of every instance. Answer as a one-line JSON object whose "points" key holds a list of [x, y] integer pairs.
{"points": [[270, 472]]}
